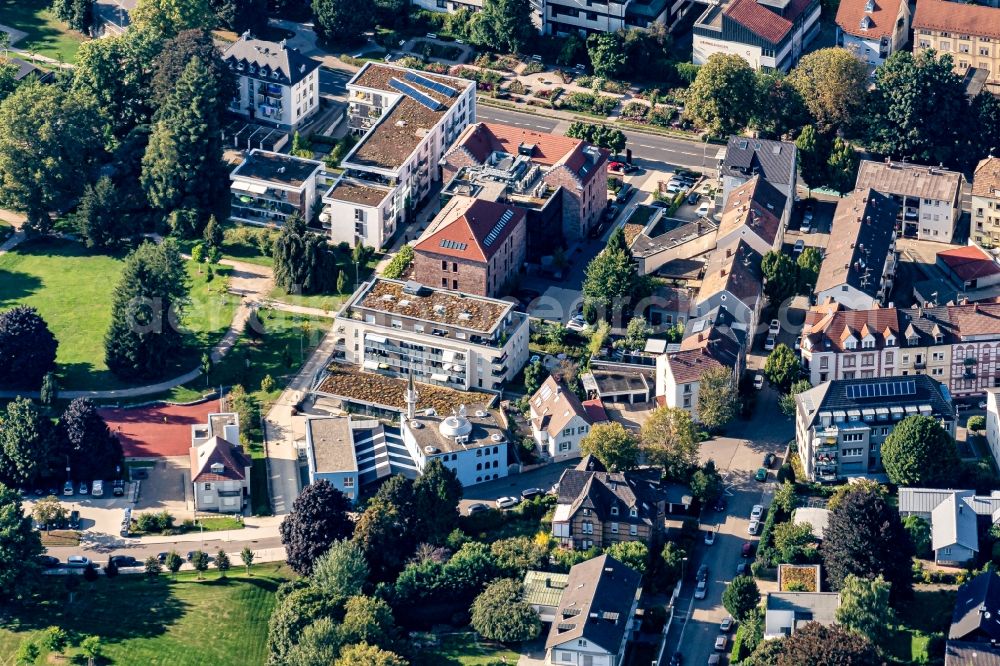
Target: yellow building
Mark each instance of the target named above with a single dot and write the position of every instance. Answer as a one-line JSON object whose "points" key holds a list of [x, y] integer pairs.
{"points": [[970, 33]]}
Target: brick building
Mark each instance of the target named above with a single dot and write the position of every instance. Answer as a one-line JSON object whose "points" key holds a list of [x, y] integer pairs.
{"points": [[474, 246]]}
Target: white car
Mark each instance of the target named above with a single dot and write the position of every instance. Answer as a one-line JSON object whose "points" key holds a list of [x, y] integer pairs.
{"points": [[753, 527], [709, 538], [704, 209], [806, 223], [756, 512], [78, 561], [701, 590], [577, 323], [758, 382], [769, 343], [720, 643], [774, 328], [506, 502], [726, 625]]}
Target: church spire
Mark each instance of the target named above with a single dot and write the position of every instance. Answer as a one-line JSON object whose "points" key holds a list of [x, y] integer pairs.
{"points": [[411, 396]]}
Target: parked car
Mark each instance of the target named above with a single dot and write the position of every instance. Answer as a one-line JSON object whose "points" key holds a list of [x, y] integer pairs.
{"points": [[118, 488], [756, 512], [162, 557], [720, 504], [714, 660], [720, 643], [747, 549], [48, 561], [507, 502], [753, 527], [621, 167], [123, 561], [74, 519], [761, 474], [624, 193], [97, 488], [769, 343], [768, 459], [531, 493], [704, 209], [68, 488], [693, 198], [577, 323], [726, 625], [758, 382], [701, 590], [800, 245], [78, 561], [83, 488], [702, 572], [710, 538], [774, 328], [741, 568], [806, 223], [478, 507]]}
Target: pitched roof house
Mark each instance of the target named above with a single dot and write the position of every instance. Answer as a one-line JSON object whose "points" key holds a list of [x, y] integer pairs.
{"points": [[754, 212], [595, 617], [733, 280], [220, 471], [558, 420], [974, 636], [952, 515]]}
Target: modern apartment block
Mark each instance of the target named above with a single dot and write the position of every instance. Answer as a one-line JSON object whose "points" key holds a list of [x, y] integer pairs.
{"points": [[561, 182], [958, 345], [768, 34], [473, 245], [840, 425], [970, 33], [929, 197], [276, 85], [860, 262], [448, 338], [268, 187], [873, 29], [986, 203], [406, 119], [586, 17]]}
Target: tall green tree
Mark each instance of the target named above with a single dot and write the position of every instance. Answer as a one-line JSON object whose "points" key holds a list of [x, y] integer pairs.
{"points": [[147, 303], [27, 348], [79, 14], [833, 84], [842, 166], [782, 367], [815, 644], [610, 281], [20, 545], [782, 276], [983, 128], [25, 443], [318, 519], [49, 144], [342, 570], [613, 445], [83, 435], [919, 452], [505, 25], [794, 541], [912, 93], [499, 614], [721, 99], [740, 597], [607, 53], [342, 20], [182, 167], [295, 609], [779, 110], [814, 154], [865, 537], [920, 535], [706, 483], [436, 492], [8, 78], [787, 401], [633, 554], [165, 18], [97, 219], [670, 440], [718, 399], [303, 262], [809, 264], [864, 608], [241, 15], [368, 620], [174, 58], [368, 655]]}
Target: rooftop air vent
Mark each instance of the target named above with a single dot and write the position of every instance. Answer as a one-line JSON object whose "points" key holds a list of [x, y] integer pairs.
{"points": [[430, 450], [412, 287], [480, 413], [416, 425], [496, 437], [430, 411]]}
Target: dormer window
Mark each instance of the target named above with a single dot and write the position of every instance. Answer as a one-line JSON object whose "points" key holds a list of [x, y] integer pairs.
{"points": [[633, 512], [614, 511], [939, 339], [913, 341], [868, 343], [870, 6], [866, 22], [890, 341], [851, 343]]}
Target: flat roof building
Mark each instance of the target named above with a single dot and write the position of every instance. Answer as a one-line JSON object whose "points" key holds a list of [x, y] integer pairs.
{"points": [[267, 188], [929, 197]]}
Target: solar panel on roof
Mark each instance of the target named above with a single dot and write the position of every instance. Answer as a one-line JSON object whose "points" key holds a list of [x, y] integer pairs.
{"points": [[417, 96], [453, 245], [428, 83], [882, 389], [491, 237]]}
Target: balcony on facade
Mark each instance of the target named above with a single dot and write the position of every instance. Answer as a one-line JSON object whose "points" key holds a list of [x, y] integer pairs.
{"points": [[429, 365], [269, 207]]}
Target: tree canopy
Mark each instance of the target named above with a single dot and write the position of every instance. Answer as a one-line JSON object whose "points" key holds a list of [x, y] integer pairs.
{"points": [[670, 440], [919, 452], [20, 545], [782, 367], [304, 263], [499, 613], [505, 25], [718, 399], [815, 644], [607, 53], [833, 84], [864, 608], [94, 451], [165, 18], [26, 443], [318, 519], [612, 444], [721, 99], [27, 348], [740, 597]]}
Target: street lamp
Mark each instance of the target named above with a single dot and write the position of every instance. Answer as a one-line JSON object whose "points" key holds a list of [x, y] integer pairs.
{"points": [[683, 564]]}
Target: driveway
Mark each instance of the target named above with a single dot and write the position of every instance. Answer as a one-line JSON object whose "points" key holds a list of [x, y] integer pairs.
{"points": [[738, 455], [168, 487], [543, 477]]}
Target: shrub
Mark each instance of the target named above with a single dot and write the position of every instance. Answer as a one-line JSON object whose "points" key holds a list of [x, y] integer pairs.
{"points": [[532, 68], [635, 110], [619, 87], [976, 423], [398, 265]]}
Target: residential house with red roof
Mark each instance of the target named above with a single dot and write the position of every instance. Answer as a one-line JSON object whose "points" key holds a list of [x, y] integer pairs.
{"points": [[986, 203], [220, 471], [970, 33], [873, 29], [561, 182], [473, 245], [969, 267], [559, 420], [768, 34]]}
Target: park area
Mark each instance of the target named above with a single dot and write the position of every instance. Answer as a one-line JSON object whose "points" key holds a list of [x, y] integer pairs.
{"points": [[44, 33], [171, 620], [72, 290]]}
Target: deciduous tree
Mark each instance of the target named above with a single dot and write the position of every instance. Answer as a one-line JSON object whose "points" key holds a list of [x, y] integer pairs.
{"points": [[296, 609], [27, 348], [864, 607], [717, 398], [842, 166], [706, 483], [782, 276], [612, 444], [779, 110], [94, 451], [814, 154], [634, 554], [833, 84], [607, 53], [782, 367], [368, 655], [815, 644], [48, 511], [809, 264], [794, 541], [920, 535], [165, 18], [342, 20], [342, 570], [78, 14], [741, 596], [174, 58], [919, 452], [318, 518], [241, 15], [304, 263], [505, 25], [787, 400], [368, 620], [670, 440], [25, 443], [499, 613], [721, 99]]}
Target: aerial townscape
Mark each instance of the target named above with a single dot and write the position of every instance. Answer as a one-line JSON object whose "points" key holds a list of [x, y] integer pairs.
{"points": [[500, 332]]}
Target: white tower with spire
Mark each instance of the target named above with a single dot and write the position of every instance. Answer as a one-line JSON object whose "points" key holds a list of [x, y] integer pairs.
{"points": [[411, 397]]}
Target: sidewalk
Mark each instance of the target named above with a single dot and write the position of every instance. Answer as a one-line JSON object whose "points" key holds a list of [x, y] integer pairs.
{"points": [[260, 556], [255, 528]]}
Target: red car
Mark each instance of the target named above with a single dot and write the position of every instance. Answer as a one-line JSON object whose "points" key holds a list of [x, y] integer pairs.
{"points": [[747, 549], [621, 167]]}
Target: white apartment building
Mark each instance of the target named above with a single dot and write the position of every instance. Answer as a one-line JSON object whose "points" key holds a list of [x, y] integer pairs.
{"points": [[220, 471], [266, 188], [406, 119], [929, 197], [276, 85], [587, 17], [448, 338], [768, 34], [558, 420], [986, 203]]}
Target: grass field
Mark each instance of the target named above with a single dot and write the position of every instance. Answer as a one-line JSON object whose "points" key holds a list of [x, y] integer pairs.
{"points": [[60, 538], [921, 619], [464, 650], [176, 622], [72, 290], [46, 35]]}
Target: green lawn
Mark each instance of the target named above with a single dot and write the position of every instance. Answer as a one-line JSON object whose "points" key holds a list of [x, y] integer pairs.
{"points": [[926, 615], [72, 289], [321, 301], [47, 35], [164, 622], [464, 650]]}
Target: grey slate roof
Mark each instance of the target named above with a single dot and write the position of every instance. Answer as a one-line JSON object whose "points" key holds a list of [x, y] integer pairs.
{"points": [[862, 233], [961, 653], [833, 395], [977, 610], [588, 486], [953, 522], [773, 159], [268, 61], [923, 500], [595, 604]]}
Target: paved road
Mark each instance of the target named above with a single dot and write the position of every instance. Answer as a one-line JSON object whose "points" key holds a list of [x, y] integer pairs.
{"points": [[487, 493], [738, 456], [648, 150], [333, 82]]}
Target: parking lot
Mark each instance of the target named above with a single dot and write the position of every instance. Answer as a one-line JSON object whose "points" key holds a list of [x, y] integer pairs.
{"points": [[167, 487]]}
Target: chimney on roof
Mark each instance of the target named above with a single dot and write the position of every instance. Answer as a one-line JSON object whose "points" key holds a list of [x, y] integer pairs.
{"points": [[729, 252]]}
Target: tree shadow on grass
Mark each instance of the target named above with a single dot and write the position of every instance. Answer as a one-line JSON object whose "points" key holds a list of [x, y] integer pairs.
{"points": [[15, 286]]}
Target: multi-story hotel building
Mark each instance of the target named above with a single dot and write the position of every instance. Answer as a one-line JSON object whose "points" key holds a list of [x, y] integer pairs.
{"points": [[276, 85], [986, 203], [268, 187], [929, 197], [768, 34], [840, 425], [958, 345], [407, 120], [447, 338], [970, 33]]}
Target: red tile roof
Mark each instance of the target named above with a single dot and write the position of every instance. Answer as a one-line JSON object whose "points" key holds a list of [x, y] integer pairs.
{"points": [[986, 182], [466, 226], [958, 18], [969, 262], [690, 366], [595, 410], [882, 18], [838, 324], [218, 450], [759, 20]]}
